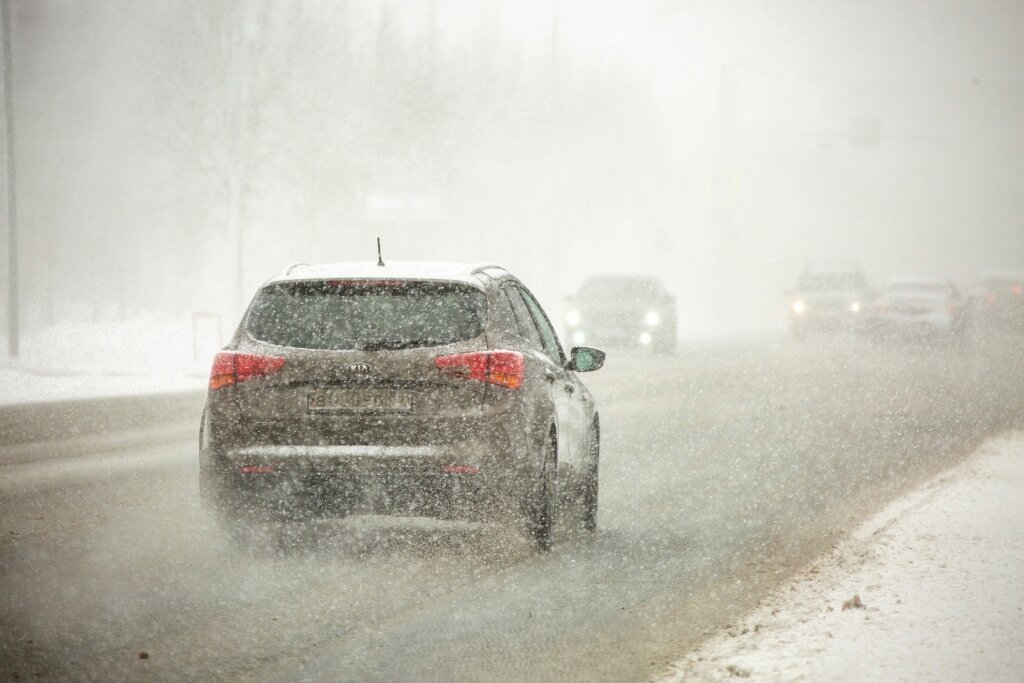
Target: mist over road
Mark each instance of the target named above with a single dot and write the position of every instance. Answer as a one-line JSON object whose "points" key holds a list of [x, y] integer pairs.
{"points": [[723, 468]]}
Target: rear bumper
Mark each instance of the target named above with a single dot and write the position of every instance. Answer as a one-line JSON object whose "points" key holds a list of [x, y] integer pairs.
{"points": [[350, 480]]}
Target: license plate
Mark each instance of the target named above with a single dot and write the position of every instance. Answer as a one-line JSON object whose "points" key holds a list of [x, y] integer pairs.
{"points": [[358, 401]]}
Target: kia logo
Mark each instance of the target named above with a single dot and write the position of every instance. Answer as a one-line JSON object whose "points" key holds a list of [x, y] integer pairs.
{"points": [[359, 368]]}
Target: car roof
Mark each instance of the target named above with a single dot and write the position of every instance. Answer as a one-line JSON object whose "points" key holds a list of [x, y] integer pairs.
{"points": [[468, 273], [916, 282], [1001, 275]]}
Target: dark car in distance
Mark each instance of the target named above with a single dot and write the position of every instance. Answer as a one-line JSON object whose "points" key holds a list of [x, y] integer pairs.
{"points": [[622, 310], [828, 300], [411, 389]]}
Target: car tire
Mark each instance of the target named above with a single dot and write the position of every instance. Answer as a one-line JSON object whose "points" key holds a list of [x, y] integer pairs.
{"points": [[591, 485], [543, 508]]}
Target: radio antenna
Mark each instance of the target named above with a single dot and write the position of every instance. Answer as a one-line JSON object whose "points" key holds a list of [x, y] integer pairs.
{"points": [[380, 259]]}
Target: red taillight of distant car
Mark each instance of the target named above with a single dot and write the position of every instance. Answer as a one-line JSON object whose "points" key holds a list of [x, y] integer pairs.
{"points": [[1017, 290], [230, 367], [504, 368]]}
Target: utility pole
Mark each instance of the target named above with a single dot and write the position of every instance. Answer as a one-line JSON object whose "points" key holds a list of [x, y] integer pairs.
{"points": [[12, 214], [724, 208]]}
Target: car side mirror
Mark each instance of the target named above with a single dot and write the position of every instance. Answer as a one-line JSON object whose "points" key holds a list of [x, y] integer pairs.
{"points": [[585, 359]]}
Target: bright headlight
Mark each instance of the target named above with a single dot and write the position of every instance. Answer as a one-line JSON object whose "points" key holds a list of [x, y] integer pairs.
{"points": [[652, 318], [855, 307], [578, 338], [799, 307], [573, 317], [645, 338]]}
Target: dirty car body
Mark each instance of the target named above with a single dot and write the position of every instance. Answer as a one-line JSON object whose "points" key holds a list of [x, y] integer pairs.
{"points": [[434, 390]]}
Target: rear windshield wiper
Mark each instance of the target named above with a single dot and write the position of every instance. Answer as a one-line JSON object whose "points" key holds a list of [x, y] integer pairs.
{"points": [[395, 344]]}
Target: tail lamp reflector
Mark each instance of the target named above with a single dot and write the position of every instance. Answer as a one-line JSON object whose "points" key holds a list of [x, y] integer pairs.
{"points": [[255, 469], [504, 368], [231, 367]]}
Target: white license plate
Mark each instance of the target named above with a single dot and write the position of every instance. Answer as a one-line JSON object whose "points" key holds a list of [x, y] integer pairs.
{"points": [[358, 401]]}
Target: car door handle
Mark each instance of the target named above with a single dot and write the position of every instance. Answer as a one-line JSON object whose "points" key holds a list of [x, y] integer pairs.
{"points": [[550, 375]]}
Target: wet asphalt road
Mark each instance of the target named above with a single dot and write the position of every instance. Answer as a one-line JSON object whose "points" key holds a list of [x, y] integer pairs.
{"points": [[723, 469]]}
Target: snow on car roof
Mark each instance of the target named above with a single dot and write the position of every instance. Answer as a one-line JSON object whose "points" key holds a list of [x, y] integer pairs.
{"points": [[394, 270]]}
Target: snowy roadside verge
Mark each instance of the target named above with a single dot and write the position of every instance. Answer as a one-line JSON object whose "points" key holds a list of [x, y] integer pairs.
{"points": [[22, 385], [62, 421], [931, 588]]}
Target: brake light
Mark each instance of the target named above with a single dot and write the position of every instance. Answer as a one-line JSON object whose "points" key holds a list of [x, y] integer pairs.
{"points": [[255, 469], [1017, 290], [504, 368], [230, 367]]}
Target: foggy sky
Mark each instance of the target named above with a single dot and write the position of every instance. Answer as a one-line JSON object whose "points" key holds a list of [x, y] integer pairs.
{"points": [[720, 146]]}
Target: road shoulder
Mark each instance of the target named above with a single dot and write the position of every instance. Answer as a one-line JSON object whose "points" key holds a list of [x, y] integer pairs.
{"points": [[928, 589]]}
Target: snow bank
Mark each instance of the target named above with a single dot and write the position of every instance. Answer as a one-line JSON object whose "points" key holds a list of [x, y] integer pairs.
{"points": [[932, 588], [90, 359]]}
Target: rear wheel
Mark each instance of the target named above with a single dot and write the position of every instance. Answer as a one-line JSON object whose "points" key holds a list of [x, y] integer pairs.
{"points": [[590, 490], [542, 512]]}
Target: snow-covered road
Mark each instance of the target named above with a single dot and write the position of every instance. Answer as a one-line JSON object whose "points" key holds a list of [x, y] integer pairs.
{"points": [[724, 470]]}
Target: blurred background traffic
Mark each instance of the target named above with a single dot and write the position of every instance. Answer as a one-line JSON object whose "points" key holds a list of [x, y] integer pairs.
{"points": [[163, 159]]}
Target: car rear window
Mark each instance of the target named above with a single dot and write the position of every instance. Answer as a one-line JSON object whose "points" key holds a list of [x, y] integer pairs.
{"points": [[366, 314]]}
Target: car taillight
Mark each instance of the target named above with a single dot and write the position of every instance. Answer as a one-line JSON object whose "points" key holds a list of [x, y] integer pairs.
{"points": [[230, 367], [1017, 290], [504, 368]]}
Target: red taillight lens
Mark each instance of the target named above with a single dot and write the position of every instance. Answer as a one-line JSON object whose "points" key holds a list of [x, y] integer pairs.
{"points": [[230, 367], [504, 368], [255, 469], [1017, 290]]}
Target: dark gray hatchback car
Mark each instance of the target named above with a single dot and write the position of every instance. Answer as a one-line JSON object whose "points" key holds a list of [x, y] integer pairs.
{"points": [[413, 389]]}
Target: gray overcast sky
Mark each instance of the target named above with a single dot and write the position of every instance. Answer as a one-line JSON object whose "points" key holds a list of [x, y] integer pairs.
{"points": [[719, 145]]}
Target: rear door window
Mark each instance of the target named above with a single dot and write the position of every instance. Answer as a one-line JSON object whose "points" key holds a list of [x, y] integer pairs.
{"points": [[524, 321], [548, 337], [366, 314]]}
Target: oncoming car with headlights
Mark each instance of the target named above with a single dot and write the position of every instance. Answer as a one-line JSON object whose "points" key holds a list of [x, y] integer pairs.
{"points": [[434, 390], [622, 310], [828, 300]]}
